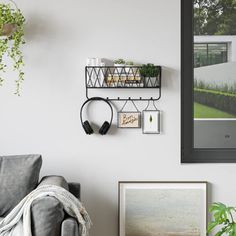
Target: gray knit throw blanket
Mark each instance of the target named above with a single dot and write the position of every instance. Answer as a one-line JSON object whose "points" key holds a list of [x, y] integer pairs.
{"points": [[18, 221]]}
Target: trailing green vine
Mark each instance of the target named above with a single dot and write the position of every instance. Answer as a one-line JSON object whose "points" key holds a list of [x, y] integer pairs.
{"points": [[10, 45]]}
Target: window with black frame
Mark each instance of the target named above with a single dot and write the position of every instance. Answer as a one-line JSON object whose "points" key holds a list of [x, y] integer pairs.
{"points": [[209, 38], [206, 54]]}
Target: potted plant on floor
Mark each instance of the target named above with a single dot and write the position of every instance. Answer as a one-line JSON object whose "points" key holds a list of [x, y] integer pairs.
{"points": [[11, 39], [150, 75], [223, 219]]}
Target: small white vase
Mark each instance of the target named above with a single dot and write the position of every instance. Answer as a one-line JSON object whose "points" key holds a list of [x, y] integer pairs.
{"points": [[151, 82]]}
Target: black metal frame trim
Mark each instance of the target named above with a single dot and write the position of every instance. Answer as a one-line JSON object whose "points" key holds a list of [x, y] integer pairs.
{"points": [[188, 153], [158, 87]]}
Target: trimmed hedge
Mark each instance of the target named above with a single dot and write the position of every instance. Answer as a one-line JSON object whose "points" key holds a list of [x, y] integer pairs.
{"points": [[219, 100], [222, 87]]}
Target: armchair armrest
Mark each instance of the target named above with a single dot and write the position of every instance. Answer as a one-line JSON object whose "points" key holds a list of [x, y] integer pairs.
{"points": [[70, 227], [47, 213]]}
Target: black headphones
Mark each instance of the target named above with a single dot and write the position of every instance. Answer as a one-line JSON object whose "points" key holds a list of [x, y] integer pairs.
{"points": [[86, 125]]}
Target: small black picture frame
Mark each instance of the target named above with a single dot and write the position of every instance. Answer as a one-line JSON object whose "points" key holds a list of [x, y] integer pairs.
{"points": [[151, 122], [129, 120]]}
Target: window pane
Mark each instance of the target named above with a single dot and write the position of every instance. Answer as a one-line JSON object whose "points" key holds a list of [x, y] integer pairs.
{"points": [[214, 73], [217, 53], [200, 55]]}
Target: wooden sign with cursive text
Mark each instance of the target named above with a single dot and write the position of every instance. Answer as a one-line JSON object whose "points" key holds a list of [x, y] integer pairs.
{"points": [[129, 120]]}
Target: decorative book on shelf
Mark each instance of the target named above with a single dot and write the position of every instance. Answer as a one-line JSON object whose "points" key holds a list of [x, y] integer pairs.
{"points": [[122, 77]]}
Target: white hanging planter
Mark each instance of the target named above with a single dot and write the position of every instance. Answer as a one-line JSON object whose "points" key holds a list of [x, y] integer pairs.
{"points": [[8, 30], [12, 38], [120, 68]]}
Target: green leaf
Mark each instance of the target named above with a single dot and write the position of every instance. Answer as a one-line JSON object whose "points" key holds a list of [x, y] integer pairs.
{"points": [[150, 119], [222, 217], [211, 226]]}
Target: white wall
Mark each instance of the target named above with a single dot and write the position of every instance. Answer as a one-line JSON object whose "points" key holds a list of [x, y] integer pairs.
{"points": [[219, 74], [60, 36]]}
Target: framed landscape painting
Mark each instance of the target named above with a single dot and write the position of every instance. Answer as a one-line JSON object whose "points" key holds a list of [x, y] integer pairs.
{"points": [[162, 208]]}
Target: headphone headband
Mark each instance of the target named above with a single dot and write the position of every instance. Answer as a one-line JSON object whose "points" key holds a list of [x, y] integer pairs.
{"points": [[96, 99]]}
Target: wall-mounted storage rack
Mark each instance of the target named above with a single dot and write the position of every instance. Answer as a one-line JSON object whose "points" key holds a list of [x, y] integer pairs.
{"points": [[122, 77]]}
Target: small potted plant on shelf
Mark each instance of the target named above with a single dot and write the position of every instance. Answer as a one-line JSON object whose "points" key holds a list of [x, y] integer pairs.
{"points": [[11, 38], [150, 75], [223, 219], [119, 63], [128, 65]]}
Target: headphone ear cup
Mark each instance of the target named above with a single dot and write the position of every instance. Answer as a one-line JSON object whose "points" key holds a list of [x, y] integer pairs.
{"points": [[87, 128], [104, 129]]}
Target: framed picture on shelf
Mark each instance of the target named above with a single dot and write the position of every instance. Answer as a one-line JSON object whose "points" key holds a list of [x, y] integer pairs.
{"points": [[151, 122], [162, 208], [129, 119]]}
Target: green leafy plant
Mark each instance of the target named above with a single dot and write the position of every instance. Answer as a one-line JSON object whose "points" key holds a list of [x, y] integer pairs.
{"points": [[129, 63], [119, 61], [149, 70], [223, 219], [222, 87], [10, 43]]}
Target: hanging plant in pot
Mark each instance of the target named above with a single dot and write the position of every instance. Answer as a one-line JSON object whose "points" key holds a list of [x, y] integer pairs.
{"points": [[150, 73], [11, 39], [120, 64]]}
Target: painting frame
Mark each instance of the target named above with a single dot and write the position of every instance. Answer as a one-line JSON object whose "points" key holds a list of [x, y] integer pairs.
{"points": [[156, 127], [203, 185], [137, 115]]}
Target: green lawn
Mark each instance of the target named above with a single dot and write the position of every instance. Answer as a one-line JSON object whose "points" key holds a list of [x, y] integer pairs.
{"points": [[202, 111]]}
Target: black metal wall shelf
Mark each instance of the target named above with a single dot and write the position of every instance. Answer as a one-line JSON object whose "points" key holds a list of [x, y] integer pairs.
{"points": [[128, 78]]}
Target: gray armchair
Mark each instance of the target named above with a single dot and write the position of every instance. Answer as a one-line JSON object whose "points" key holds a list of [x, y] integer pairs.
{"points": [[19, 176]]}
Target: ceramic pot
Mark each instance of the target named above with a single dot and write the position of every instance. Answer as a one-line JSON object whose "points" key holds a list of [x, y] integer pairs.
{"points": [[151, 82], [8, 29]]}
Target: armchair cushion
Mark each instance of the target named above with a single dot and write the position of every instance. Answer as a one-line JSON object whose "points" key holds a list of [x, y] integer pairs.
{"points": [[18, 176]]}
